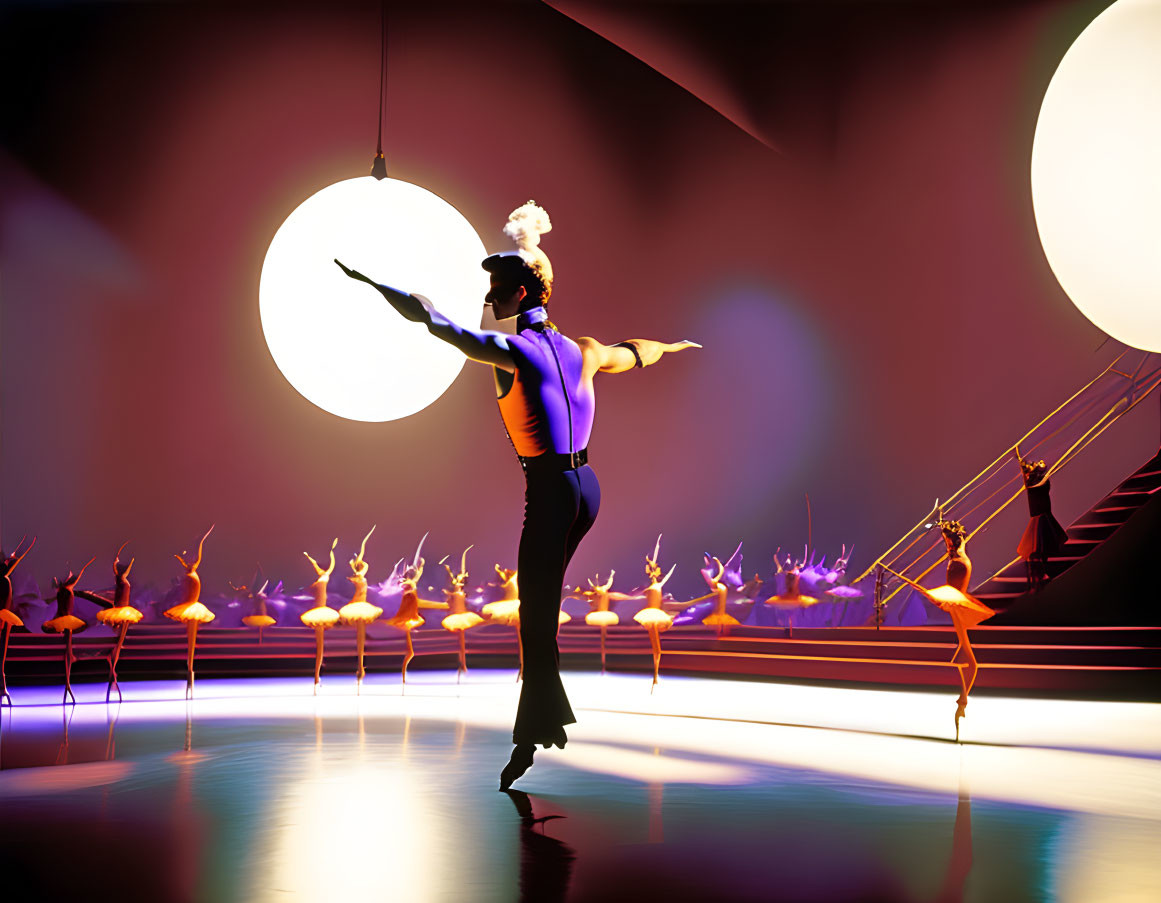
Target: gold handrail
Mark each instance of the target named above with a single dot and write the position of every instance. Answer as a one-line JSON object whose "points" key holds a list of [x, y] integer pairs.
{"points": [[1126, 399]]}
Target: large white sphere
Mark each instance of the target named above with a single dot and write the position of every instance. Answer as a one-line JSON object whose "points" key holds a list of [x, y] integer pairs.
{"points": [[1096, 172], [336, 340]]}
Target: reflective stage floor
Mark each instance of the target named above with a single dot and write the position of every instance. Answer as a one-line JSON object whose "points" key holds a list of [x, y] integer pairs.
{"points": [[704, 790]]}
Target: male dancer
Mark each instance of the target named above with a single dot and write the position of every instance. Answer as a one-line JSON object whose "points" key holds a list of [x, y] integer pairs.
{"points": [[544, 385]]}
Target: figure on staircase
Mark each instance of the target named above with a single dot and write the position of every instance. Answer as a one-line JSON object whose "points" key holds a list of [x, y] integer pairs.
{"points": [[1043, 537]]}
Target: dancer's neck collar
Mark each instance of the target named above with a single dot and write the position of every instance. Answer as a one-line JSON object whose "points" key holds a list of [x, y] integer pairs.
{"points": [[532, 317]]}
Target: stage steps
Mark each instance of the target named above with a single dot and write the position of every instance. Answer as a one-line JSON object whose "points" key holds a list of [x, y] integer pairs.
{"points": [[1085, 535], [1115, 661]]}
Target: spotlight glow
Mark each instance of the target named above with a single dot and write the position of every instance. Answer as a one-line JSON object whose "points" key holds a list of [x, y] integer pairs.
{"points": [[336, 340], [1096, 183]]}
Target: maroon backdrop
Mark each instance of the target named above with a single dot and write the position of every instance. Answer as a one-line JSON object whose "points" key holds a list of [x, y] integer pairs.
{"points": [[833, 198]]}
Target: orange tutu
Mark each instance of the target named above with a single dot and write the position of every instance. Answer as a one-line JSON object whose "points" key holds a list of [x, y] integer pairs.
{"points": [[655, 618], [320, 617], [506, 611], [118, 615], [360, 613], [791, 601], [190, 611], [258, 620], [10, 617], [63, 623], [722, 619], [602, 619], [967, 610], [465, 620]]}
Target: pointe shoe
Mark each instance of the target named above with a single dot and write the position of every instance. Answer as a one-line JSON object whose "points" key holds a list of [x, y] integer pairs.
{"points": [[520, 762]]}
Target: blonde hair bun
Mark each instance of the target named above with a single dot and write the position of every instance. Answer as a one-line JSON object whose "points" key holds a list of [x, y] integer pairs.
{"points": [[526, 224]]}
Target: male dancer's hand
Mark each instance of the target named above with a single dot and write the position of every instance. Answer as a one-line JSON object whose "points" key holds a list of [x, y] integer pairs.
{"points": [[354, 274], [415, 308], [651, 351]]}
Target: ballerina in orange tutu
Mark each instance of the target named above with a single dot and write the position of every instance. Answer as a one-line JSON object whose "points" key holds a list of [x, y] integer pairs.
{"points": [[190, 611], [9, 618], [118, 613], [965, 610], [259, 616], [599, 595], [359, 611], [459, 620], [407, 618], [66, 622], [719, 591], [653, 617], [319, 615], [507, 607], [506, 610], [791, 598]]}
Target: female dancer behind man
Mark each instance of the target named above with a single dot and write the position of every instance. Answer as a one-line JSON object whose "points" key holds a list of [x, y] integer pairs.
{"points": [[544, 385]]}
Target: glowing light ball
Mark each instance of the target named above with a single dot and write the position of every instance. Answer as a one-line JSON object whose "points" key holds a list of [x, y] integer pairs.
{"points": [[1096, 172], [336, 340]]}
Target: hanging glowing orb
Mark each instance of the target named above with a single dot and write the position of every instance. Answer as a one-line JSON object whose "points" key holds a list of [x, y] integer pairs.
{"points": [[1096, 172], [336, 340]]}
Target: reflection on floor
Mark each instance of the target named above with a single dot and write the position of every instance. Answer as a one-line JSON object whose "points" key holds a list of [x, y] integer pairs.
{"points": [[706, 790]]}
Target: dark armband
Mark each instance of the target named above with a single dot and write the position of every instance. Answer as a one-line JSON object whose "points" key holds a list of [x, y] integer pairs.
{"points": [[633, 348]]}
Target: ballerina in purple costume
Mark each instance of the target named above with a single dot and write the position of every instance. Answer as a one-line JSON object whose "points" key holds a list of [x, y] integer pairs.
{"points": [[544, 385]]}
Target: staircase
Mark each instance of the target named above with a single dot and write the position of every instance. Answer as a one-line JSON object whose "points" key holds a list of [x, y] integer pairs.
{"points": [[1085, 535]]}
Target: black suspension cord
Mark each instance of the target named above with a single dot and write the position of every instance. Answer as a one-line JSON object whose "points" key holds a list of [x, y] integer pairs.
{"points": [[382, 73], [379, 166]]}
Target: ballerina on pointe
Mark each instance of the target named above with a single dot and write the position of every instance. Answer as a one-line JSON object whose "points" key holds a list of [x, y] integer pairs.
{"points": [[458, 619], [8, 618], [359, 611], [719, 592], [965, 610], [599, 595], [319, 615], [653, 617], [118, 613], [791, 599], [259, 617], [66, 622], [407, 618], [190, 611], [506, 610], [544, 385]]}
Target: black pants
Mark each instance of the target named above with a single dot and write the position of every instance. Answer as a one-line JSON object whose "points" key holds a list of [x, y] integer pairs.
{"points": [[559, 508]]}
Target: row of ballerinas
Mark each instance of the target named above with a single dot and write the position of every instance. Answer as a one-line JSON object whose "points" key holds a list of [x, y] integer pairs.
{"points": [[718, 608], [498, 602]]}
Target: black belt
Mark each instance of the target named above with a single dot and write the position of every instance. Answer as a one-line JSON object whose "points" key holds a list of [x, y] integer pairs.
{"points": [[550, 462]]}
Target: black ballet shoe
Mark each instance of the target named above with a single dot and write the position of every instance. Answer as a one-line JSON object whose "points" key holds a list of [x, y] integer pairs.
{"points": [[520, 762]]}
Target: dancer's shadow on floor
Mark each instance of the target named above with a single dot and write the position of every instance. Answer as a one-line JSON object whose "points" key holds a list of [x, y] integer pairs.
{"points": [[545, 862]]}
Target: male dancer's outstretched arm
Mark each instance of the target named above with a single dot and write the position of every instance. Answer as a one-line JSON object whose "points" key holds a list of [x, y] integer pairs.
{"points": [[489, 347], [478, 344], [620, 357]]}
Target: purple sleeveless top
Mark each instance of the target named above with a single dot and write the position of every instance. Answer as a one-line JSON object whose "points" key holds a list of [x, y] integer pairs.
{"points": [[535, 409]]}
